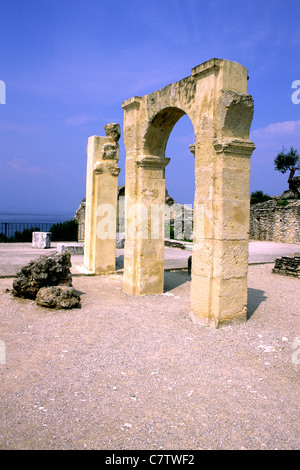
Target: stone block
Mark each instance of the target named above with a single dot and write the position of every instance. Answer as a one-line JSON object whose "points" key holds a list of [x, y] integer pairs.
{"points": [[41, 239], [72, 248], [288, 265]]}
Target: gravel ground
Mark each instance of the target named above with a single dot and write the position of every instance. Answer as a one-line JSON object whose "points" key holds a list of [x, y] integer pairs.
{"points": [[126, 372]]}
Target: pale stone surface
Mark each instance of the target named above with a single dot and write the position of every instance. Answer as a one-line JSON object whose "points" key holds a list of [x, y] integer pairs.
{"points": [[215, 99], [72, 248], [41, 240]]}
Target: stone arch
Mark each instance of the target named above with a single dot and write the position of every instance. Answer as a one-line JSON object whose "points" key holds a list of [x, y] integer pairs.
{"points": [[215, 99], [159, 130]]}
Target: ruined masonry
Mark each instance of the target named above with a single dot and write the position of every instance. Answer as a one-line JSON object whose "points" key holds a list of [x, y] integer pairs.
{"points": [[101, 193], [215, 98]]}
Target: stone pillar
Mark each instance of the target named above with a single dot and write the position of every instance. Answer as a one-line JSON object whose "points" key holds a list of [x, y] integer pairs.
{"points": [[144, 223], [147, 225], [101, 201], [221, 230]]}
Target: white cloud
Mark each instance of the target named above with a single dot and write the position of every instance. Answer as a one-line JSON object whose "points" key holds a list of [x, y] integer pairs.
{"points": [[271, 139], [14, 126], [278, 130], [80, 119], [22, 165]]}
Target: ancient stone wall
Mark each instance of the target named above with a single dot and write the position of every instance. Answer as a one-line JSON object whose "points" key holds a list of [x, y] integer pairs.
{"points": [[268, 221], [173, 212], [80, 219], [274, 221], [288, 265]]}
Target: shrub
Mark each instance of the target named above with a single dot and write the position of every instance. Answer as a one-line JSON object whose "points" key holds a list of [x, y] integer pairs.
{"points": [[259, 196], [25, 236], [282, 202], [65, 231]]}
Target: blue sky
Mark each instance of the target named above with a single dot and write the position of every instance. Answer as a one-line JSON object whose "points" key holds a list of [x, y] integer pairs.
{"points": [[69, 64]]}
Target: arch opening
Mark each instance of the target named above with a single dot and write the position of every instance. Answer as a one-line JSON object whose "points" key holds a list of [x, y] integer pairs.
{"points": [[159, 129], [180, 192], [180, 172], [169, 136]]}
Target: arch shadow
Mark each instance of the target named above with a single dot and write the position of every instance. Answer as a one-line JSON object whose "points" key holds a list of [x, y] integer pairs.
{"points": [[255, 298], [173, 279]]}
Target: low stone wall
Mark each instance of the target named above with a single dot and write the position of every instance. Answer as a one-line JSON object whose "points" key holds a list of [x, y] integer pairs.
{"points": [[268, 220], [173, 212], [275, 222], [288, 265]]}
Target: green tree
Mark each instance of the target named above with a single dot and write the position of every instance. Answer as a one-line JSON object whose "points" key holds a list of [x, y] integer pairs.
{"points": [[258, 196], [65, 231], [288, 161]]}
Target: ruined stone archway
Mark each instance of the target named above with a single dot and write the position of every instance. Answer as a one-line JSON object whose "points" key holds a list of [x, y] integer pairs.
{"points": [[215, 99]]}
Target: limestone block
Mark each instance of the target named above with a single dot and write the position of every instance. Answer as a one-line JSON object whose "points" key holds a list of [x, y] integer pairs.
{"points": [[222, 301], [113, 130], [151, 277], [72, 248], [226, 219], [41, 239], [222, 258]]}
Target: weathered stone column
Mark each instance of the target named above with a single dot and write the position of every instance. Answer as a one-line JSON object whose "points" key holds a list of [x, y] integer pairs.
{"points": [[101, 201], [221, 216], [149, 233], [144, 210]]}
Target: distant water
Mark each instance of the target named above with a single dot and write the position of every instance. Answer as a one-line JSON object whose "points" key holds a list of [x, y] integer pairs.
{"points": [[35, 217]]}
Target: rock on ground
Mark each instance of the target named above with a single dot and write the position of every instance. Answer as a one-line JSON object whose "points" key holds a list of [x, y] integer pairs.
{"points": [[47, 270], [58, 297]]}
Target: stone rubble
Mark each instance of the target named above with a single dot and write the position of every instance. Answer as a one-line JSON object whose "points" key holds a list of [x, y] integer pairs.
{"points": [[58, 297], [47, 280], [288, 265]]}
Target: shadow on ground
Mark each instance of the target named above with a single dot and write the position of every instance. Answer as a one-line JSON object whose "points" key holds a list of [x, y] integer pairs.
{"points": [[120, 262], [255, 298], [174, 279]]}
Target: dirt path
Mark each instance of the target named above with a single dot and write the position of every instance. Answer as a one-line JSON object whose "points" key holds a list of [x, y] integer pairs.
{"points": [[126, 372]]}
